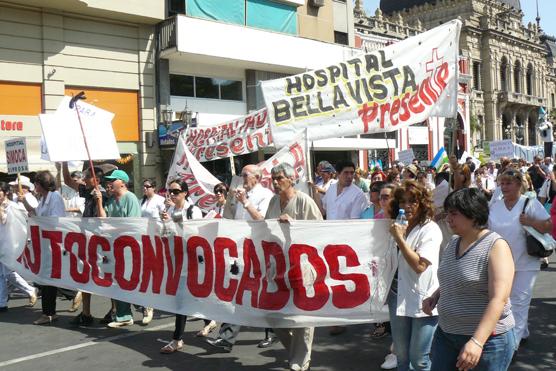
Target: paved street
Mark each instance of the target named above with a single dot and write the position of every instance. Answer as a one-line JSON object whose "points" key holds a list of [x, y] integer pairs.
{"points": [[61, 347]]}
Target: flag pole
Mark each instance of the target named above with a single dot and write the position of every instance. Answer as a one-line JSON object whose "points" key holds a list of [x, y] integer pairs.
{"points": [[73, 105], [310, 153]]}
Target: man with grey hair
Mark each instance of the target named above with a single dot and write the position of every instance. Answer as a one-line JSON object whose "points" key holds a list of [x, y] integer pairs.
{"points": [[251, 202], [290, 204]]}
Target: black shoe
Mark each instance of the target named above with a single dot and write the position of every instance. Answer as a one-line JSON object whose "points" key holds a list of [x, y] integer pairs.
{"points": [[3, 309], [523, 341], [220, 343], [107, 318], [267, 342], [544, 265], [82, 320]]}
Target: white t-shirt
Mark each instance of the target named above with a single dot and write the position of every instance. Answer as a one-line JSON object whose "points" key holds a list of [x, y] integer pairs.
{"points": [[153, 207], [259, 197], [347, 205], [506, 223], [413, 288], [51, 205], [196, 213]]}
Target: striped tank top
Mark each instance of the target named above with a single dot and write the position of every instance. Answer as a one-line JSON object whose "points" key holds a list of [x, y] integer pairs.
{"points": [[464, 288]]}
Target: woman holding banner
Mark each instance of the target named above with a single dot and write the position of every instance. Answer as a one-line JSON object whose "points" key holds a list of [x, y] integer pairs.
{"points": [[418, 242], [183, 209], [51, 204]]}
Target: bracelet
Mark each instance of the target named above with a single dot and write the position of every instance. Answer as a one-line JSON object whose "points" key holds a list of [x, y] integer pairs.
{"points": [[476, 342]]}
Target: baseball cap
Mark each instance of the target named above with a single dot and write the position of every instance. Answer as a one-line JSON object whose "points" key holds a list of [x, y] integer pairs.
{"points": [[118, 174], [328, 169]]}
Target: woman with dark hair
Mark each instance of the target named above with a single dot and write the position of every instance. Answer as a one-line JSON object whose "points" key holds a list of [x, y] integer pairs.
{"points": [[475, 329], [182, 210], [419, 246], [221, 192], [506, 217], [374, 209], [51, 204], [152, 204], [394, 177]]}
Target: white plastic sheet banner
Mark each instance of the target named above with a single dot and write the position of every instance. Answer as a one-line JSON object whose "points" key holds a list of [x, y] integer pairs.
{"points": [[243, 135], [63, 139], [295, 154], [199, 180], [383, 90], [261, 274]]}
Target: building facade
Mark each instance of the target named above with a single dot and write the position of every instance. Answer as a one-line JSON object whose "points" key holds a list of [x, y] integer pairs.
{"points": [[510, 64], [214, 56], [103, 48]]}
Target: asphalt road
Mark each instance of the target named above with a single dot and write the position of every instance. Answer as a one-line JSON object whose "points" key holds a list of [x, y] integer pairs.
{"points": [[60, 346]]}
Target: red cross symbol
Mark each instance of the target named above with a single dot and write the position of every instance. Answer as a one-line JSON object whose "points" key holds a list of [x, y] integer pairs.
{"points": [[435, 61]]}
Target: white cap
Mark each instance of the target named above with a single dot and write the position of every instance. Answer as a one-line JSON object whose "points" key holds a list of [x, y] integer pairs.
{"points": [[25, 182]]}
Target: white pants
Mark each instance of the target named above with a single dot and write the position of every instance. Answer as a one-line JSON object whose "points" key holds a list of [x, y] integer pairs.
{"points": [[299, 343], [522, 291], [7, 275]]}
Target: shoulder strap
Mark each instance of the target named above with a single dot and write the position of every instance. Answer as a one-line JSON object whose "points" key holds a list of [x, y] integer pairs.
{"points": [[525, 205]]}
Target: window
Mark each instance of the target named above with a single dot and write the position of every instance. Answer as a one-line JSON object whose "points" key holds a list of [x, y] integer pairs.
{"points": [[553, 100], [504, 74], [176, 7], [341, 38], [477, 75], [206, 87], [529, 80], [182, 85], [517, 77]]}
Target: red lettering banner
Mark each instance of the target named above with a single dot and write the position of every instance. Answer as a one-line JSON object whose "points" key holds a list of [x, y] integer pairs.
{"points": [[262, 274]]}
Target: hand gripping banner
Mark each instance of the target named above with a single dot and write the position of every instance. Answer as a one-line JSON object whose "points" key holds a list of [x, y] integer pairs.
{"points": [[261, 274], [402, 84]]}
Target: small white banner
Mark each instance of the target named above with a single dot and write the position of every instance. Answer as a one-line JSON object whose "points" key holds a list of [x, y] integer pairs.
{"points": [[501, 148], [16, 156], [406, 157], [63, 137]]}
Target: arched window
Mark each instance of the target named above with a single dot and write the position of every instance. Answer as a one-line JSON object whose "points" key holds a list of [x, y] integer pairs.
{"points": [[517, 77], [504, 74], [529, 79]]}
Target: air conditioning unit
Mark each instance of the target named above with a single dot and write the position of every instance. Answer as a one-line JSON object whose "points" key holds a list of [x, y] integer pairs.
{"points": [[316, 3]]}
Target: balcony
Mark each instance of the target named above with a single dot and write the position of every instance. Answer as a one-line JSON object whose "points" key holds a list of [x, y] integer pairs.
{"points": [[520, 98], [231, 45]]}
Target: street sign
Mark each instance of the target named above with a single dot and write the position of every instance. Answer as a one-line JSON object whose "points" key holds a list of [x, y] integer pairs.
{"points": [[16, 156]]}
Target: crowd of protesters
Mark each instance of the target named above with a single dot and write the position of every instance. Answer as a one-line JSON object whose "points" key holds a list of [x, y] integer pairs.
{"points": [[461, 294]]}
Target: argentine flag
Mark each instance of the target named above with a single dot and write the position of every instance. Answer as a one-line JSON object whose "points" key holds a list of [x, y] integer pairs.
{"points": [[440, 159]]}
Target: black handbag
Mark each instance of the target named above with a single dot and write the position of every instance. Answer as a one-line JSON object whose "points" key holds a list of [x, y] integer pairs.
{"points": [[534, 247]]}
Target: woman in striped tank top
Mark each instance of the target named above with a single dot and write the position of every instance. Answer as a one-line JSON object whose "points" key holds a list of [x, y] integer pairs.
{"points": [[475, 324]]}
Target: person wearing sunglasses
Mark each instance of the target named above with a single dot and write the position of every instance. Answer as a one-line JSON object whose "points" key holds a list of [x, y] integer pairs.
{"points": [[221, 193], [182, 207], [152, 204], [374, 208], [505, 218]]}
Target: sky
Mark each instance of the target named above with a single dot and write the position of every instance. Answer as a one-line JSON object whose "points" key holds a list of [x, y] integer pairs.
{"points": [[547, 9]]}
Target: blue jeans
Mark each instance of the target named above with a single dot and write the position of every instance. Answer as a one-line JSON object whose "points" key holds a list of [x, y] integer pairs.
{"points": [[497, 351], [412, 338]]}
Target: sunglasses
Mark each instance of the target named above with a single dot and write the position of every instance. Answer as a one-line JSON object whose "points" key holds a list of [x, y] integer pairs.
{"points": [[219, 192], [147, 186], [175, 192]]}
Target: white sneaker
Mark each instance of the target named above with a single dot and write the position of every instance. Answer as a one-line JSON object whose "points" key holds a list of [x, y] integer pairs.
{"points": [[147, 316], [390, 362]]}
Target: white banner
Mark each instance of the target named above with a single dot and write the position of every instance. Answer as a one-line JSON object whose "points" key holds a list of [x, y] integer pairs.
{"points": [[501, 148], [294, 154], [237, 137], [16, 156], [64, 139], [261, 274], [199, 180], [406, 157], [384, 90]]}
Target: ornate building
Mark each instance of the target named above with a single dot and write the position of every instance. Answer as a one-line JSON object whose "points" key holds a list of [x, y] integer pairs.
{"points": [[511, 70]]}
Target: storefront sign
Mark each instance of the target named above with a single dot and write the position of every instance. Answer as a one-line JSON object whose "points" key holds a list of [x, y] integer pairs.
{"points": [[16, 156], [168, 135], [19, 126]]}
